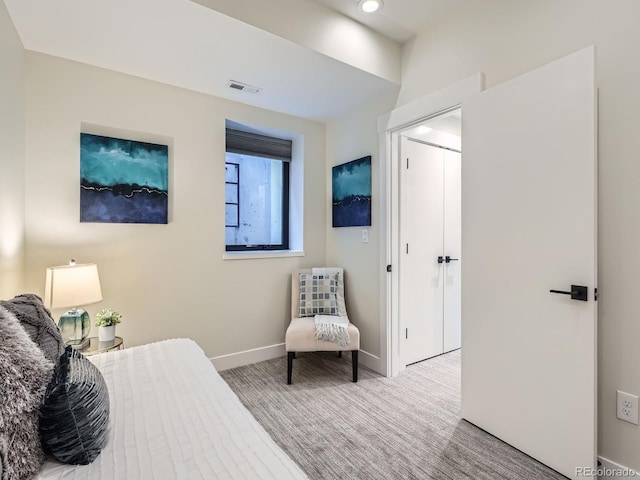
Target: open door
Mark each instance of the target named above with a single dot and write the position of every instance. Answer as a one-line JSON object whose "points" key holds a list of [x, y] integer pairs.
{"points": [[529, 222]]}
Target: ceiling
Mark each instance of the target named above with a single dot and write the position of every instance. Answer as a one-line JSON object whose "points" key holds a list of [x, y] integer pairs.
{"points": [[399, 20], [185, 44], [444, 130]]}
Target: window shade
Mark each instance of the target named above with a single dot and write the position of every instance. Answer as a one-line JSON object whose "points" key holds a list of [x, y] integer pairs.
{"points": [[256, 145]]}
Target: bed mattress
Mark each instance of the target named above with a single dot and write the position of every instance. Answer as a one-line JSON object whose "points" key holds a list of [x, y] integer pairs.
{"points": [[173, 417]]}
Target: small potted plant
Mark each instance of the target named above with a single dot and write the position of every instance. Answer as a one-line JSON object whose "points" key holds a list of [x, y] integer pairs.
{"points": [[106, 321]]}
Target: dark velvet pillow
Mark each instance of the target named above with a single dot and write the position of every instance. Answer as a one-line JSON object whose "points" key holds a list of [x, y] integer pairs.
{"points": [[74, 416], [37, 322]]}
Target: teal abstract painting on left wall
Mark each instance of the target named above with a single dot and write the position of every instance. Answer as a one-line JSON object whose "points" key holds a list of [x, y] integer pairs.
{"points": [[123, 181]]}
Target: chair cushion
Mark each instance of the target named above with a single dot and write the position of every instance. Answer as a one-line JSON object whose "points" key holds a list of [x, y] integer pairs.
{"points": [[24, 373], [300, 337], [318, 294], [37, 322], [74, 416]]}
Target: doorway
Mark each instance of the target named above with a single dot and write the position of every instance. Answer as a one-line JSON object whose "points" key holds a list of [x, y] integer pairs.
{"points": [[390, 126], [430, 237]]}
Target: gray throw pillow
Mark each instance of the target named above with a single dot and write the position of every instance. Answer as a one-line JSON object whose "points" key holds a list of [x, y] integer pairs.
{"points": [[74, 416], [37, 322], [318, 294], [24, 373]]}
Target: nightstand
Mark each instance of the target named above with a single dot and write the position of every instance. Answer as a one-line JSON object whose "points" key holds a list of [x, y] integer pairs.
{"points": [[95, 346]]}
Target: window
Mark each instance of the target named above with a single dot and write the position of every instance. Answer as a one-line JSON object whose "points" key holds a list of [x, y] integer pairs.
{"points": [[256, 191]]}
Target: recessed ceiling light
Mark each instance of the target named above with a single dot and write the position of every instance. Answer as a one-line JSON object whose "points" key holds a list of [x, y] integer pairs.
{"points": [[370, 6]]}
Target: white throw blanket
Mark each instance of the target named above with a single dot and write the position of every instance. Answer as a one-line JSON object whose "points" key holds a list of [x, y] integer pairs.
{"points": [[332, 328]]}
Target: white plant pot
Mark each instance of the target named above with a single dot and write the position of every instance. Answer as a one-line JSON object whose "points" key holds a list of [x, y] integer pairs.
{"points": [[107, 334]]}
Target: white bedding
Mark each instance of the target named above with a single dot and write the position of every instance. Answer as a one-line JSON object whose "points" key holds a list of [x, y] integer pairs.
{"points": [[173, 417]]}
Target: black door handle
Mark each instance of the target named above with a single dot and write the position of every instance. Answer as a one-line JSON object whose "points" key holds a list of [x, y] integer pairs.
{"points": [[448, 259], [578, 292], [440, 259]]}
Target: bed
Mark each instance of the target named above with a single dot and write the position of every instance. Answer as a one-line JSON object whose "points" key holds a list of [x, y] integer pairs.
{"points": [[173, 417]]}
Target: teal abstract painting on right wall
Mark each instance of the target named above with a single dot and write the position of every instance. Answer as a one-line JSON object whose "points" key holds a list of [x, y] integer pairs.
{"points": [[351, 193]]}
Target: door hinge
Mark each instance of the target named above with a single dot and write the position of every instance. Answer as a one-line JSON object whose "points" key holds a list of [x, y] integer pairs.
{"points": [[595, 294], [388, 268], [407, 163], [406, 333], [407, 248]]}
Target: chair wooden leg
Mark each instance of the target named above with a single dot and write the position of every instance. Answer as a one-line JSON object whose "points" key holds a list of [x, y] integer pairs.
{"points": [[340, 354], [354, 360], [290, 357]]}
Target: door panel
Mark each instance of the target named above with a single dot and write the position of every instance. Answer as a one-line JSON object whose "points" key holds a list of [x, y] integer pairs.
{"points": [[452, 247], [421, 228], [529, 222]]}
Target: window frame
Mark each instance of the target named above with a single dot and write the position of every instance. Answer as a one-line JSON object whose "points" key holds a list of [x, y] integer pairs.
{"points": [[237, 204], [286, 187]]}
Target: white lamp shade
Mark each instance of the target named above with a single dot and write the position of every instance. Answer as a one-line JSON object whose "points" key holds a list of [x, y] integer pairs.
{"points": [[70, 286]]}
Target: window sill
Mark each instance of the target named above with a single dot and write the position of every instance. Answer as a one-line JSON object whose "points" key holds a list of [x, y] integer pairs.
{"points": [[266, 254]]}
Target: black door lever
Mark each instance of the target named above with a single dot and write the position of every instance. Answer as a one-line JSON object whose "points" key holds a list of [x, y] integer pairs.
{"points": [[577, 292], [448, 259]]}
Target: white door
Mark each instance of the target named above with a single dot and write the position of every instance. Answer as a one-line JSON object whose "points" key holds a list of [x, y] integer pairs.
{"points": [[421, 234], [452, 249], [429, 230], [529, 222]]}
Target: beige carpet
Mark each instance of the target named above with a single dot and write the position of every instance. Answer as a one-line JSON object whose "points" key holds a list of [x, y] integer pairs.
{"points": [[407, 427]]}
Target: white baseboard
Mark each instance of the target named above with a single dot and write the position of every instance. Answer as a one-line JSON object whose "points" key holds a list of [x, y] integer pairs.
{"points": [[247, 357], [239, 359], [370, 361], [608, 470]]}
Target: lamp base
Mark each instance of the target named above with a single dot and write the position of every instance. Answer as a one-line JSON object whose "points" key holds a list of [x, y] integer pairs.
{"points": [[81, 346], [74, 326]]}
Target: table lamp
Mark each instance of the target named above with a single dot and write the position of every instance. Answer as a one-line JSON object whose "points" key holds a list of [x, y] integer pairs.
{"points": [[73, 286]]}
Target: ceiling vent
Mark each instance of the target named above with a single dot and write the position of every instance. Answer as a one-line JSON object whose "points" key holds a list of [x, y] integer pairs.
{"points": [[243, 87]]}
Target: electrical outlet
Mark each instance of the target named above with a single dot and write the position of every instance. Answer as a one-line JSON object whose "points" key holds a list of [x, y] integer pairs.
{"points": [[627, 407]]}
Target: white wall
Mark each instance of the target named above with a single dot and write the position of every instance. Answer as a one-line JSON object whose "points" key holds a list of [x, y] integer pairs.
{"points": [[350, 138], [167, 280], [12, 117], [504, 38]]}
